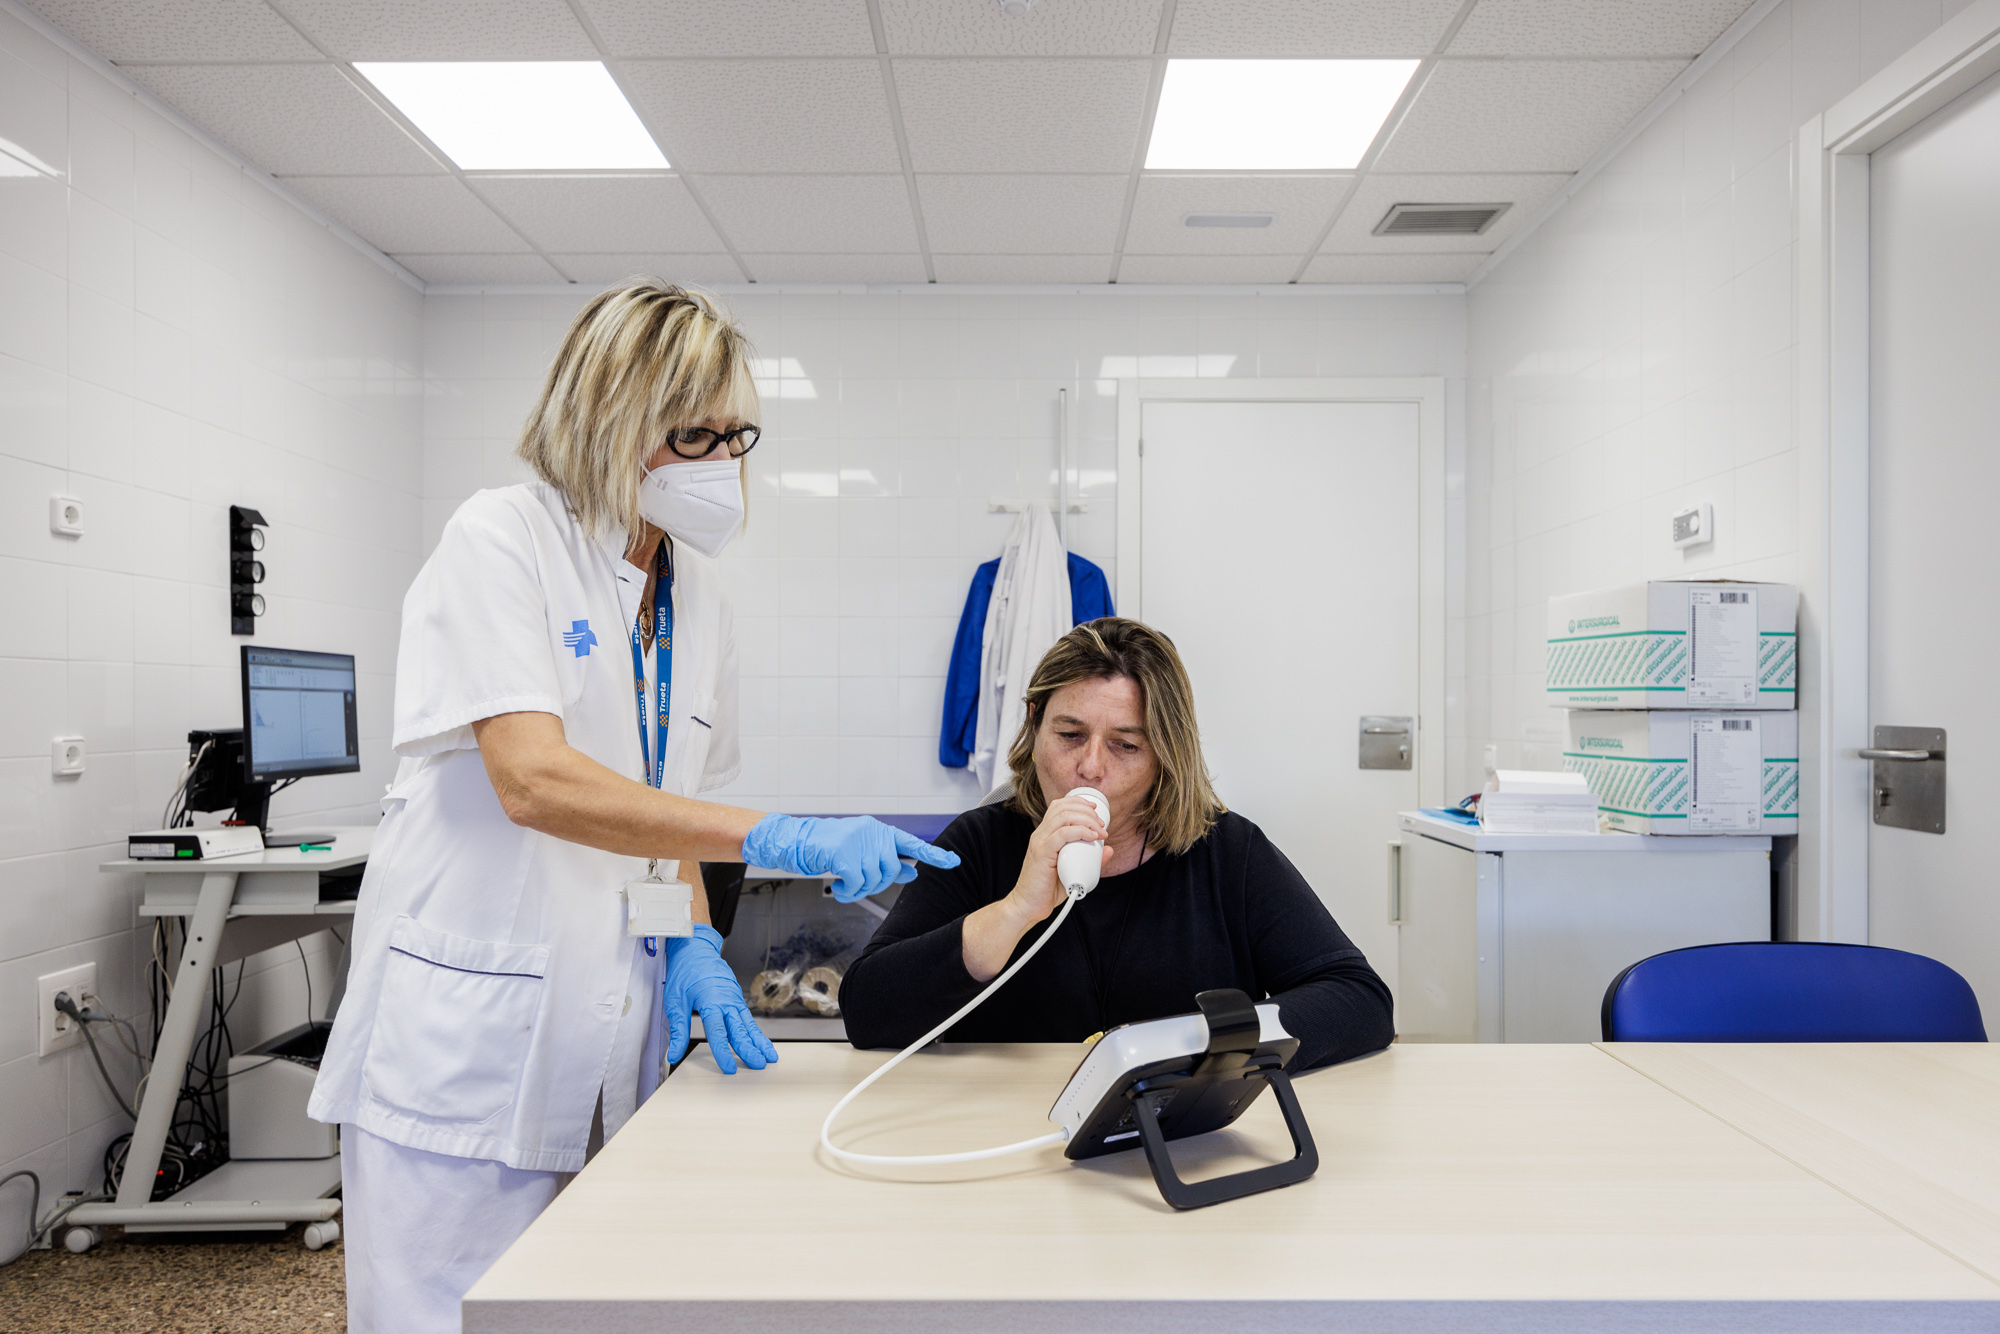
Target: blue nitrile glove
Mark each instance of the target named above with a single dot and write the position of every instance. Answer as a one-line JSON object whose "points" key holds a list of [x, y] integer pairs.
{"points": [[698, 979], [859, 852]]}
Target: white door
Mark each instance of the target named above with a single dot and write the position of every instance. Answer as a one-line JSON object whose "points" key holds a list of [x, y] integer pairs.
{"points": [[1934, 631], [1279, 551]]}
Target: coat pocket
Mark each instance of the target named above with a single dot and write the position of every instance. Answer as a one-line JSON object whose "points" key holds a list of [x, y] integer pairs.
{"points": [[453, 1024], [700, 723]]}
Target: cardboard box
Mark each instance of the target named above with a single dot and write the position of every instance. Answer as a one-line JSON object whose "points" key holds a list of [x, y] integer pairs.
{"points": [[1655, 771], [1675, 645]]}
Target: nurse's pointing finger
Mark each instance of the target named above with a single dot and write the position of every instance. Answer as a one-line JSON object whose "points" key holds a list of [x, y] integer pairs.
{"points": [[909, 845]]}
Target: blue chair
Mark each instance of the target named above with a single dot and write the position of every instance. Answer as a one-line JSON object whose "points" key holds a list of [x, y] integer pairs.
{"points": [[1799, 991]]}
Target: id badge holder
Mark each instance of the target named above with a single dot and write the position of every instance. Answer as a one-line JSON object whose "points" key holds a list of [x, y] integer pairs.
{"points": [[656, 907]]}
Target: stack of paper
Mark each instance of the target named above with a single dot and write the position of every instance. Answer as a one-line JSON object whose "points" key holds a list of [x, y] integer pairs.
{"points": [[1529, 802]]}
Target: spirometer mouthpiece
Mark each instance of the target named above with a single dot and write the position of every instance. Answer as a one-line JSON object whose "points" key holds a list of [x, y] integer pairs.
{"points": [[1078, 864]]}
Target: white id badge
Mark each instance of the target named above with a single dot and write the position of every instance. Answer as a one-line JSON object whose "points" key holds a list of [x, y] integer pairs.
{"points": [[659, 908]]}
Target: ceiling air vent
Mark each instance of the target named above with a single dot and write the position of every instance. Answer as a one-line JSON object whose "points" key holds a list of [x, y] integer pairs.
{"points": [[1228, 219], [1439, 219]]}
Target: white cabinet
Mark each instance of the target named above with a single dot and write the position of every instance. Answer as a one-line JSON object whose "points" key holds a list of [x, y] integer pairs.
{"points": [[1514, 937]]}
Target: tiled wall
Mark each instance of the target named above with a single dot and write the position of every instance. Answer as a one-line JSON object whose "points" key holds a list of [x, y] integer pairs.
{"points": [[892, 421], [174, 338], [1637, 354]]}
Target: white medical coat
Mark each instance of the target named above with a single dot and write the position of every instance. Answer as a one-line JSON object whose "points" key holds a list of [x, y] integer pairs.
{"points": [[488, 996], [1029, 612]]}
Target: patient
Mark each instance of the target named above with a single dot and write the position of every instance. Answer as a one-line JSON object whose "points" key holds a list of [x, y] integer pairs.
{"points": [[1192, 896]]}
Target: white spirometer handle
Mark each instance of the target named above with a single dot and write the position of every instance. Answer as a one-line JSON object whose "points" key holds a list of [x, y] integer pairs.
{"points": [[1078, 866]]}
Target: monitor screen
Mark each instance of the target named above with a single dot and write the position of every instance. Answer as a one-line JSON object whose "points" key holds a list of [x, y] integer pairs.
{"points": [[298, 713]]}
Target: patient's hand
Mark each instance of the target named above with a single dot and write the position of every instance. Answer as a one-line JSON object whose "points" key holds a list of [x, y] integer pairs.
{"points": [[990, 934]]}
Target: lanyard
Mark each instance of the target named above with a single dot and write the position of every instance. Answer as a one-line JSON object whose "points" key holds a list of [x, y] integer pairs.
{"points": [[655, 755]]}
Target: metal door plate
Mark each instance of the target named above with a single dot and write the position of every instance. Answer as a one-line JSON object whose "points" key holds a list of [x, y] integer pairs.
{"points": [[1909, 794], [1387, 741]]}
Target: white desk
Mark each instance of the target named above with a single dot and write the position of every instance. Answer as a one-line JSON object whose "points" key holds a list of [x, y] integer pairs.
{"points": [[1911, 1129], [1461, 1187], [235, 907]]}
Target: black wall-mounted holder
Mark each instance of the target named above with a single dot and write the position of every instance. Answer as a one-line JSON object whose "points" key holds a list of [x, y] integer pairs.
{"points": [[246, 539]]}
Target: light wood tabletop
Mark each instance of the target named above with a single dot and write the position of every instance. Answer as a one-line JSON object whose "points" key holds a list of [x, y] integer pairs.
{"points": [[1462, 1180], [1911, 1129]]}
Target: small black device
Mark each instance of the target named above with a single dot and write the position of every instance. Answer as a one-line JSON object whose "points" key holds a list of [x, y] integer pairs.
{"points": [[1144, 1084]]}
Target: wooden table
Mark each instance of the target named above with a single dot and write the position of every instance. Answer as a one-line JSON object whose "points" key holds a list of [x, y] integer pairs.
{"points": [[1461, 1187], [1910, 1129]]}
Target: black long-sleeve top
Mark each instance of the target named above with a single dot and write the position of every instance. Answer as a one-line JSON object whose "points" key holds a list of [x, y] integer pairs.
{"points": [[1230, 912]]}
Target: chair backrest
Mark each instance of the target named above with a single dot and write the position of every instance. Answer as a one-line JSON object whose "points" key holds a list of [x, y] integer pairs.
{"points": [[1800, 991]]}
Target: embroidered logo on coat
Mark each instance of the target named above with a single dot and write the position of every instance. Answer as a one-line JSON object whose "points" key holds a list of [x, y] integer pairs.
{"points": [[580, 638]]}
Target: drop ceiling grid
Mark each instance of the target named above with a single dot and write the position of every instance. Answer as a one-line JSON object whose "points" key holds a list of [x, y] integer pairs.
{"points": [[1023, 134]]}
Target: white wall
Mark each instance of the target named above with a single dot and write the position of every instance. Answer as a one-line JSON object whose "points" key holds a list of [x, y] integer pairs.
{"points": [[868, 509], [174, 338], [1637, 352]]}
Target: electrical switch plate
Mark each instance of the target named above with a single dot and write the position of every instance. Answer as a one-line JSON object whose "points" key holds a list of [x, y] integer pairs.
{"points": [[66, 756], [55, 1029], [1694, 525], [66, 516]]}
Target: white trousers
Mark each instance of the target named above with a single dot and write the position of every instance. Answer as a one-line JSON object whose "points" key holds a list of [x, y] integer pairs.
{"points": [[420, 1228]]}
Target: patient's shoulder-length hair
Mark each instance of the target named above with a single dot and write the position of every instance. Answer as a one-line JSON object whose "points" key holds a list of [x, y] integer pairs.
{"points": [[1182, 805]]}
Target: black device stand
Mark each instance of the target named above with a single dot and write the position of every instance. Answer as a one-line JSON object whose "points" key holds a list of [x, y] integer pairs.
{"points": [[1231, 1060]]}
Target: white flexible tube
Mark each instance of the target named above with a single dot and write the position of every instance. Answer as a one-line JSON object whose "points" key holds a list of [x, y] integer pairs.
{"points": [[826, 1126]]}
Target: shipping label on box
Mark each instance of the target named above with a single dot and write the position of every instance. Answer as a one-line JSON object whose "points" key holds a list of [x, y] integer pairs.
{"points": [[1675, 645], [1674, 772]]}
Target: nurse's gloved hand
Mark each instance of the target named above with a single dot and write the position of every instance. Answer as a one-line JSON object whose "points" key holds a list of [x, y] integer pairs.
{"points": [[699, 981], [860, 852]]}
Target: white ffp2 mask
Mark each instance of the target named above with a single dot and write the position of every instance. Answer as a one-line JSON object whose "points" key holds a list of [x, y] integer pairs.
{"points": [[699, 503]]}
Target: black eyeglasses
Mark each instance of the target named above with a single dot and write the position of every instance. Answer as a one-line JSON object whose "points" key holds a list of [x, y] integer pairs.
{"points": [[698, 442]]}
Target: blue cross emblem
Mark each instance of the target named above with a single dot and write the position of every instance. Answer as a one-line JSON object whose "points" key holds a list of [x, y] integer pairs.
{"points": [[579, 637]]}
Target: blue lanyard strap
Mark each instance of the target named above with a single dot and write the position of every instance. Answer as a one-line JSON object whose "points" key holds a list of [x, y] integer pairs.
{"points": [[655, 755]]}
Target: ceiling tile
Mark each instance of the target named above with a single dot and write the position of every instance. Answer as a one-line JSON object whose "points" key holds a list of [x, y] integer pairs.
{"points": [[1391, 268], [479, 268], [1022, 215], [425, 215], [444, 29], [768, 115], [601, 213], [1022, 268], [177, 30], [607, 269], [1354, 233], [1522, 115], [837, 268], [855, 215], [1310, 28], [1302, 205], [1051, 28], [1022, 115], [1595, 27], [1207, 268], [289, 119], [662, 29]]}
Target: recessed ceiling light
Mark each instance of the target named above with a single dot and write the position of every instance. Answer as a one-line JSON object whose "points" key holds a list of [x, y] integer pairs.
{"points": [[1272, 115], [519, 115]]}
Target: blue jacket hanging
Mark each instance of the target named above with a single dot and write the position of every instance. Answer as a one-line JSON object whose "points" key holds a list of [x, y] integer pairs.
{"points": [[1090, 598]]}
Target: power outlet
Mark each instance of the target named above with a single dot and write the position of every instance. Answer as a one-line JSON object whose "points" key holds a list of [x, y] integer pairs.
{"points": [[56, 1030]]}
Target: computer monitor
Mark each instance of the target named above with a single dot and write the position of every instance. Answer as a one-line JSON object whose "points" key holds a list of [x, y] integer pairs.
{"points": [[298, 714]]}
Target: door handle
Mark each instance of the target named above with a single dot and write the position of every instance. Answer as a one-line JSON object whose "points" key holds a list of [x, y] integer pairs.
{"points": [[1877, 753], [1386, 731]]}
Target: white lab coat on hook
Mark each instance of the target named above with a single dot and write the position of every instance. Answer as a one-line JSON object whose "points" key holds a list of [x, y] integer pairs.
{"points": [[1029, 612]]}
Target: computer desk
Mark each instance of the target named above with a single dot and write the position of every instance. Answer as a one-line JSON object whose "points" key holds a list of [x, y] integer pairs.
{"points": [[1461, 1188], [1911, 1129], [234, 907]]}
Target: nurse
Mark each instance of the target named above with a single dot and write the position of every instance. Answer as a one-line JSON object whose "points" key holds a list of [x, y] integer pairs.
{"points": [[565, 686]]}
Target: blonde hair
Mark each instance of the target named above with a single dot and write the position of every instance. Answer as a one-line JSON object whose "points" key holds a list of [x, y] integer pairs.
{"points": [[1182, 806], [640, 360]]}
